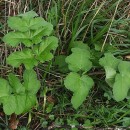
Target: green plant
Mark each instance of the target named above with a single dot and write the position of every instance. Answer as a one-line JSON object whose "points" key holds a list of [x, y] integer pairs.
{"points": [[77, 81], [117, 75], [18, 97], [34, 33]]}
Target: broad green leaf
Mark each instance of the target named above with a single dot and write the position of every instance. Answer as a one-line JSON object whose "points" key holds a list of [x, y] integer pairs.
{"points": [[14, 38], [122, 82], [25, 57], [9, 104], [17, 23], [47, 28], [80, 87], [30, 102], [43, 51], [29, 14], [15, 84], [24, 25], [20, 103], [50, 43], [110, 64], [4, 88], [31, 83], [124, 67], [36, 23], [70, 83], [121, 86], [110, 75], [79, 60], [109, 60]]}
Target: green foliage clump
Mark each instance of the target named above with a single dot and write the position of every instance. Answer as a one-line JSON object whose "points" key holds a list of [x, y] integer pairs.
{"points": [[18, 97], [80, 84], [34, 33], [117, 75]]}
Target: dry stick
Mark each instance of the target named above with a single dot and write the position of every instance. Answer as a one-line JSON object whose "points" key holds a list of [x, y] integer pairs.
{"points": [[86, 14], [39, 9], [65, 17], [48, 8], [110, 26], [26, 5], [71, 17], [6, 53], [93, 19], [9, 1]]}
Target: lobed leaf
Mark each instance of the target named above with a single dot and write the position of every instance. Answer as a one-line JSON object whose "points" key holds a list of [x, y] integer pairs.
{"points": [[14, 38], [29, 102], [109, 60], [43, 51], [121, 87], [25, 57], [16, 85], [110, 64], [4, 88], [17, 23], [124, 67], [19, 101], [79, 60], [9, 104], [80, 87], [122, 82], [31, 83]]}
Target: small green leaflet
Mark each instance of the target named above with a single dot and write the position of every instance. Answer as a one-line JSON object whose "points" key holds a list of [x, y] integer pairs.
{"points": [[14, 38], [15, 84], [124, 67], [110, 64], [31, 86], [9, 104], [23, 95], [79, 60], [43, 50], [4, 88], [18, 23], [25, 57], [122, 81], [110, 75], [121, 87], [80, 86]]}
